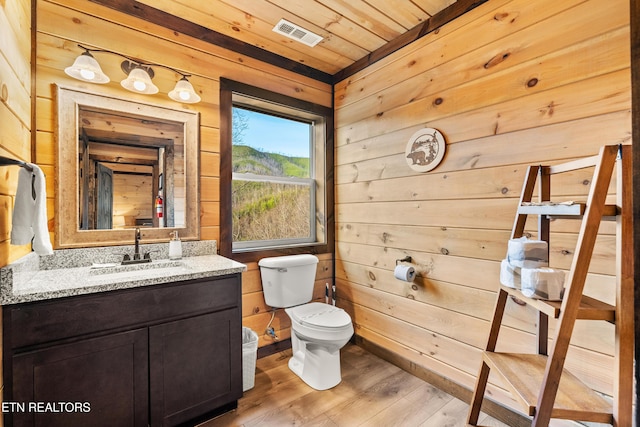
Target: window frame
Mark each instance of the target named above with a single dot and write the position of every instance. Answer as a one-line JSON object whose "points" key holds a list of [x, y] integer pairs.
{"points": [[250, 97]]}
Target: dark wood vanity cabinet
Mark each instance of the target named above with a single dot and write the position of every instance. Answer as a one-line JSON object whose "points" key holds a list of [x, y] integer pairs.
{"points": [[202, 374], [159, 355], [88, 374]]}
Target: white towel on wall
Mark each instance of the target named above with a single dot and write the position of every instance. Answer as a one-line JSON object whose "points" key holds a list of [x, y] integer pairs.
{"points": [[29, 215]]}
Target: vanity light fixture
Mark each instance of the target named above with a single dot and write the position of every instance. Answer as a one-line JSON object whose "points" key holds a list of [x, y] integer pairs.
{"points": [[138, 78], [184, 92], [139, 75], [87, 69]]}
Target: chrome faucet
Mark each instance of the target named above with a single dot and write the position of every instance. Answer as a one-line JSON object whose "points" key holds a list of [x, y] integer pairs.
{"points": [[136, 252]]}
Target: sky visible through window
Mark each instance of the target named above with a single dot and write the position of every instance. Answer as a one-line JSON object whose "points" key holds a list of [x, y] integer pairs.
{"points": [[276, 135]]}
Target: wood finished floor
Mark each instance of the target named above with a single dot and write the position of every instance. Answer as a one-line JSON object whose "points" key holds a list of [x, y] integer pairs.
{"points": [[373, 392]]}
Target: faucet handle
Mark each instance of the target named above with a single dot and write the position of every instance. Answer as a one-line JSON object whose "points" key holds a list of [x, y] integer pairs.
{"points": [[126, 257], [147, 255]]}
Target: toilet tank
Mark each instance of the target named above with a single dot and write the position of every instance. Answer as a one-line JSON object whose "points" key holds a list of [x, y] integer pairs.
{"points": [[288, 281]]}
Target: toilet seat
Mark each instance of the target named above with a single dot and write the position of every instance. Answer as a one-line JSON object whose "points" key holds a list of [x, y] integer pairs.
{"points": [[319, 315], [320, 322]]}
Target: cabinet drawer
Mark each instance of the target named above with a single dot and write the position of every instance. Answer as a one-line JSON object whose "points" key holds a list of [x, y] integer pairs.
{"points": [[46, 321]]}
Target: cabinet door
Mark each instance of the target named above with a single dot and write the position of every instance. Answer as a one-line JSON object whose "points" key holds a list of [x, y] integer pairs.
{"points": [[94, 382], [195, 366]]}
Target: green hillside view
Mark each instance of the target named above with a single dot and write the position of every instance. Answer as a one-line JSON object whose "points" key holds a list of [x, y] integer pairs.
{"points": [[247, 159], [263, 210]]}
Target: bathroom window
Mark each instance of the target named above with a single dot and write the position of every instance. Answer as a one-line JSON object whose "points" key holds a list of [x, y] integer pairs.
{"points": [[278, 170]]}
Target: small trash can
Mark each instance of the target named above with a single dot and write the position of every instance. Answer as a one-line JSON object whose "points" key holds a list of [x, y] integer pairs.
{"points": [[249, 356]]}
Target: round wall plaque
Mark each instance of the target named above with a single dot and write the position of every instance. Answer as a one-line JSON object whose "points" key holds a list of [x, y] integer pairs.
{"points": [[425, 150]]}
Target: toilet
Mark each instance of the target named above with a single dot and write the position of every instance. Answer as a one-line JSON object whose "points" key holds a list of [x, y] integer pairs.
{"points": [[318, 330]]}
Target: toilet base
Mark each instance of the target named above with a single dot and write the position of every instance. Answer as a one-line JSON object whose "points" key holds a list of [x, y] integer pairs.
{"points": [[317, 366]]}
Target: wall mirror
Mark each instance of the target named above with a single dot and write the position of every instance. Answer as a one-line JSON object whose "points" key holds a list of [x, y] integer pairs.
{"points": [[124, 165]]}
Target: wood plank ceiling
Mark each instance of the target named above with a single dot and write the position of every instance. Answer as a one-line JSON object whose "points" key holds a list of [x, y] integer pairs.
{"points": [[355, 32]]}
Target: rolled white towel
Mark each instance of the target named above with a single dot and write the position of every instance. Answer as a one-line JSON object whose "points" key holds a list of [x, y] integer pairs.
{"points": [[29, 213]]}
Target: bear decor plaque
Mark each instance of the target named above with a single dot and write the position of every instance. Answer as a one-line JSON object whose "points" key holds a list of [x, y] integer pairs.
{"points": [[425, 150]]}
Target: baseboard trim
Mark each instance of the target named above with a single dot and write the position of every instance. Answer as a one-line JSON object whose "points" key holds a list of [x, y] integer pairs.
{"points": [[274, 348], [492, 408], [279, 346]]}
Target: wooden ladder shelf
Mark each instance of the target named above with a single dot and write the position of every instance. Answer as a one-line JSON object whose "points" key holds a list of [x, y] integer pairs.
{"points": [[539, 381]]}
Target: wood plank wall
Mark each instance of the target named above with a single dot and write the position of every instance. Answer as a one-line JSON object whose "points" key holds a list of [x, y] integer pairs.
{"points": [[15, 117], [15, 111], [511, 83], [63, 24]]}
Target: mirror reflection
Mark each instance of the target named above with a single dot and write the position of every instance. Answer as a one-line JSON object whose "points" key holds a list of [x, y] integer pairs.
{"points": [[129, 180], [123, 165]]}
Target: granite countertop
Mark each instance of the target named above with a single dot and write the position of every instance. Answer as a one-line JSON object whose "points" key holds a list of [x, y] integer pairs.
{"points": [[70, 272]]}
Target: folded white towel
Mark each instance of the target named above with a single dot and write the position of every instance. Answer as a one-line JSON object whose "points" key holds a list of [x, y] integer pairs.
{"points": [[29, 214]]}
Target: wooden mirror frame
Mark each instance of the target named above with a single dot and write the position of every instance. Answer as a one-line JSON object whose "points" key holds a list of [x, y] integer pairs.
{"points": [[67, 232]]}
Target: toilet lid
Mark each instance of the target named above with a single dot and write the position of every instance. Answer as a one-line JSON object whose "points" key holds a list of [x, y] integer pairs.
{"points": [[319, 314]]}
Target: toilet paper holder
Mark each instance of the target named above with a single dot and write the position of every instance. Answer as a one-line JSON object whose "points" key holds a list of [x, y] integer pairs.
{"points": [[404, 272], [405, 259]]}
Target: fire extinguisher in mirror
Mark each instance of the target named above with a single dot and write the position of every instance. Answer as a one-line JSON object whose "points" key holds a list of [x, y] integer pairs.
{"points": [[160, 209], [160, 203]]}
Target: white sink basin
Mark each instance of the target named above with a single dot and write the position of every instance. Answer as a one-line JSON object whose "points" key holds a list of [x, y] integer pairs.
{"points": [[98, 269]]}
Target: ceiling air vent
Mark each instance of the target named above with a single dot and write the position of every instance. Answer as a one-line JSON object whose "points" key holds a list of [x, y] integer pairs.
{"points": [[296, 32]]}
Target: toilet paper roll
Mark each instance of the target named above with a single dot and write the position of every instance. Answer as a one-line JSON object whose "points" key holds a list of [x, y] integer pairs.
{"points": [[404, 272], [528, 253], [509, 275], [542, 283]]}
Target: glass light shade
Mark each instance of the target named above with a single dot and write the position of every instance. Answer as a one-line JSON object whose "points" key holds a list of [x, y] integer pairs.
{"points": [[87, 69], [184, 92], [140, 82]]}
